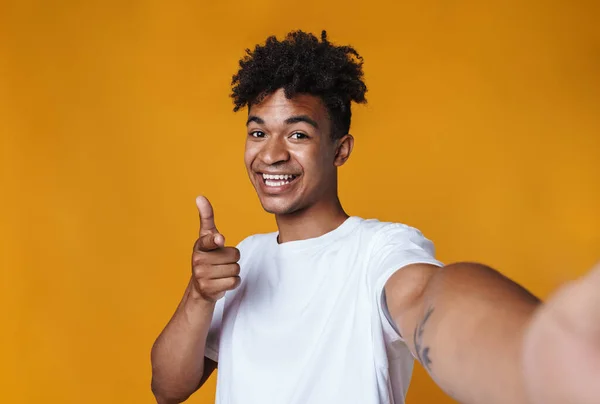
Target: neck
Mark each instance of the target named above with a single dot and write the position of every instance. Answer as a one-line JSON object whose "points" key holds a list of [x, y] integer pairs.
{"points": [[310, 222]]}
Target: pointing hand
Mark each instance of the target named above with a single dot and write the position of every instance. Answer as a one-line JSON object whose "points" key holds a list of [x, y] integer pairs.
{"points": [[215, 267]]}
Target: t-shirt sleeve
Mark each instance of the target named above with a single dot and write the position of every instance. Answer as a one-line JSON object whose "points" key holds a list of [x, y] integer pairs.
{"points": [[396, 246], [213, 339], [211, 349]]}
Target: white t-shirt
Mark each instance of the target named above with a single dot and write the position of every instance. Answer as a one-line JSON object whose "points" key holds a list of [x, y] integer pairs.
{"points": [[308, 323]]}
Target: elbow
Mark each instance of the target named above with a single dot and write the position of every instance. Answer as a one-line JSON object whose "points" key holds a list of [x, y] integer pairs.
{"points": [[159, 394], [165, 396], [166, 386]]}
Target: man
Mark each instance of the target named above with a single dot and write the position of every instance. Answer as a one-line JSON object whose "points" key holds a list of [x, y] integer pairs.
{"points": [[333, 308]]}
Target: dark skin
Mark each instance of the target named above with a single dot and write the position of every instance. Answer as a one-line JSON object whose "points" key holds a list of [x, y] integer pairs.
{"points": [[294, 137], [481, 337], [285, 137]]}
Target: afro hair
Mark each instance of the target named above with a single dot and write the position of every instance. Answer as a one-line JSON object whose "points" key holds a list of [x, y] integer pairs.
{"points": [[301, 64]]}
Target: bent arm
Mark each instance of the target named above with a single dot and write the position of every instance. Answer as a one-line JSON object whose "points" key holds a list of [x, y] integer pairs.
{"points": [[464, 323], [179, 366]]}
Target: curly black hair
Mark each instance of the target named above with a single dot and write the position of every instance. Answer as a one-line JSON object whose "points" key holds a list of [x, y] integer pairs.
{"points": [[301, 64]]}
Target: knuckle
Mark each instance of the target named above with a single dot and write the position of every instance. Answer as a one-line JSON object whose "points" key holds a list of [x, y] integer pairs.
{"points": [[200, 271], [202, 284], [236, 269], [198, 257], [236, 254], [196, 260]]}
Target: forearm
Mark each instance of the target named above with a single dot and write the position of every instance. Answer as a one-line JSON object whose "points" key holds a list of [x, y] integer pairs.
{"points": [[178, 353], [468, 333]]}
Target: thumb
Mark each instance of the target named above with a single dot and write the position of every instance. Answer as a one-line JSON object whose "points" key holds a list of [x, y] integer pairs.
{"points": [[207, 216]]}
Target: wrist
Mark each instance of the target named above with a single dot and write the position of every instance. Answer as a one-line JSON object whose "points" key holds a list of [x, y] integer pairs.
{"points": [[195, 301], [197, 312]]}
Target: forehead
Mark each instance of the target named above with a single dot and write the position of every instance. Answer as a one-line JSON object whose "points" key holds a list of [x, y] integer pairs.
{"points": [[277, 107]]}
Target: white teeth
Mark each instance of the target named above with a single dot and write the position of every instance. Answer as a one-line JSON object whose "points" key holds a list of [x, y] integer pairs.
{"points": [[277, 176], [276, 183]]}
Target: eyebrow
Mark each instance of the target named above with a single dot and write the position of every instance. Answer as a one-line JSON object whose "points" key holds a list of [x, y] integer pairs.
{"points": [[302, 118], [291, 120], [254, 118]]}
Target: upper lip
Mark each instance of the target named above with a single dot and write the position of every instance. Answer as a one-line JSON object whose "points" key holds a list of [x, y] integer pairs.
{"points": [[263, 172]]}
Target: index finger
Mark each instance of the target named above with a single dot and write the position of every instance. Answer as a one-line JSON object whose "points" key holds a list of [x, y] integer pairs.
{"points": [[209, 242]]}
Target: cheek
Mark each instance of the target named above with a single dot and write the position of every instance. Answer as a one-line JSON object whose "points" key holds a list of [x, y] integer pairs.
{"points": [[249, 155], [315, 164], [301, 161]]}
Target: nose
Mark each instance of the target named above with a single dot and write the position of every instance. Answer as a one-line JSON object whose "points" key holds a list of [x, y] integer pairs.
{"points": [[274, 151]]}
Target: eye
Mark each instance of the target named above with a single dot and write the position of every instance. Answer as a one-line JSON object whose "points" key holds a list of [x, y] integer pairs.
{"points": [[298, 136], [257, 134]]}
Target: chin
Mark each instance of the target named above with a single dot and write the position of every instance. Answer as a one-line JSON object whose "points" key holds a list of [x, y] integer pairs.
{"points": [[276, 210], [277, 207]]}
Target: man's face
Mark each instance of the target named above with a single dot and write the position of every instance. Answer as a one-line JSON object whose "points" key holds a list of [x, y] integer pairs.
{"points": [[290, 156]]}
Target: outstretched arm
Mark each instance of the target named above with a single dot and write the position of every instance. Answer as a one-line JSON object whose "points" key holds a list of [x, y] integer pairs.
{"points": [[561, 348], [465, 324]]}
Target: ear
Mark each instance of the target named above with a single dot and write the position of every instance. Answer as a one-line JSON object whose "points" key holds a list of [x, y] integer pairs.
{"points": [[343, 150]]}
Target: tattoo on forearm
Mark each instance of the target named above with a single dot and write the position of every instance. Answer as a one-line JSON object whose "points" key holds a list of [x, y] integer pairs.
{"points": [[422, 351]]}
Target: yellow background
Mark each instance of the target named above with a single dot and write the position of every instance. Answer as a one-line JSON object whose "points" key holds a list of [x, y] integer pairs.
{"points": [[482, 130]]}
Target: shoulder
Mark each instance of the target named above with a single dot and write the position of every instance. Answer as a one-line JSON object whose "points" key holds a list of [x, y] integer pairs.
{"points": [[382, 233]]}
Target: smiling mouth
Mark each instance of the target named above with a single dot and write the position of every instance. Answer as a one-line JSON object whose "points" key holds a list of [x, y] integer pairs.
{"points": [[278, 180]]}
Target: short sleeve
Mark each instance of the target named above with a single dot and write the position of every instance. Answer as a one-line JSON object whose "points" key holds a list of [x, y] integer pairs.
{"points": [[213, 339], [396, 246], [211, 349]]}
